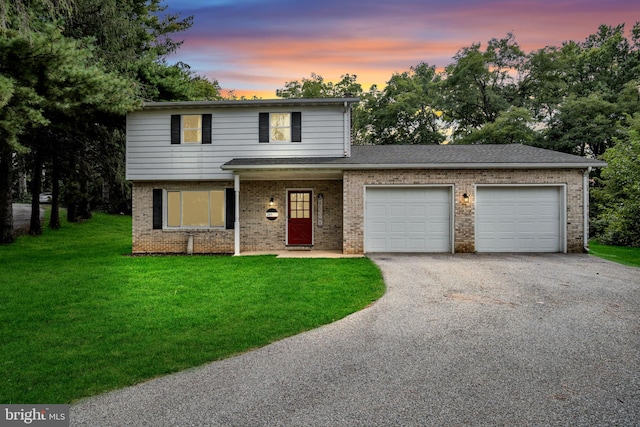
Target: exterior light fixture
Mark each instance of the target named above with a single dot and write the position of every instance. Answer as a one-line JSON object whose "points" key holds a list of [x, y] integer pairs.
{"points": [[271, 202], [465, 198]]}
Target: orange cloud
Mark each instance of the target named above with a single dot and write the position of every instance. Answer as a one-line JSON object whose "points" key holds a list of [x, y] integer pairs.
{"points": [[256, 51]]}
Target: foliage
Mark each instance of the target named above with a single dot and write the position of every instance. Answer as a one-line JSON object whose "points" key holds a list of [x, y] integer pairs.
{"points": [[69, 70], [404, 112], [76, 310], [49, 77], [584, 126], [480, 85], [316, 87], [619, 194], [510, 127]]}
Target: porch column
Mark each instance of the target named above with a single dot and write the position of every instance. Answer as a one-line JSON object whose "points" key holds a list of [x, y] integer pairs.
{"points": [[236, 223]]}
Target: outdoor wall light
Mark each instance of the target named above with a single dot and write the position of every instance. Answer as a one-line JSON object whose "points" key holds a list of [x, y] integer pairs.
{"points": [[465, 198], [271, 202]]}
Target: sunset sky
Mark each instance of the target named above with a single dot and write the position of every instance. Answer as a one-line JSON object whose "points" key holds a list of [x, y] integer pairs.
{"points": [[255, 46]]}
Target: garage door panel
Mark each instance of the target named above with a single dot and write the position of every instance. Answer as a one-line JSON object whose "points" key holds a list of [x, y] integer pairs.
{"points": [[398, 227], [377, 211], [417, 227], [518, 219], [416, 219]]}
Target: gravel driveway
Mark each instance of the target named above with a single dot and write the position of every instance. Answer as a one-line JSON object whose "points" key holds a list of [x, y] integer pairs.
{"points": [[457, 340]]}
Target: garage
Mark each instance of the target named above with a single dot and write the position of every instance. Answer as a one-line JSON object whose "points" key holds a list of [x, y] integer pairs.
{"points": [[407, 219], [519, 219]]}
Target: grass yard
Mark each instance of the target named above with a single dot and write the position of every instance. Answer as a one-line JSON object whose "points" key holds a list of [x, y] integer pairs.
{"points": [[620, 254], [78, 317]]}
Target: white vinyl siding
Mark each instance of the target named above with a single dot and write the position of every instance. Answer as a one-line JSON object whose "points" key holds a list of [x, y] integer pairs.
{"points": [[408, 219], [151, 156], [519, 219]]}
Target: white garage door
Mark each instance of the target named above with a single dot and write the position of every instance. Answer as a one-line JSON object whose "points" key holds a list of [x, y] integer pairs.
{"points": [[407, 219], [518, 219]]}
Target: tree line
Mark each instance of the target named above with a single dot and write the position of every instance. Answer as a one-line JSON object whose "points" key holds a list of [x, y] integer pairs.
{"points": [[69, 72], [582, 97], [71, 69]]}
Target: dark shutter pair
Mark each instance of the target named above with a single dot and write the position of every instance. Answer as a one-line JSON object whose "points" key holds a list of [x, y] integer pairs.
{"points": [[296, 127], [176, 128], [230, 208]]}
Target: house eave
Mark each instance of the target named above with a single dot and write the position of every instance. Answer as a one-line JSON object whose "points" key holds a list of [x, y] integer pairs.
{"points": [[293, 166], [245, 103]]}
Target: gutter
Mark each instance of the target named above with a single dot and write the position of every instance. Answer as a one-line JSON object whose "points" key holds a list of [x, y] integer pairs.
{"points": [[348, 166], [585, 204], [247, 103]]}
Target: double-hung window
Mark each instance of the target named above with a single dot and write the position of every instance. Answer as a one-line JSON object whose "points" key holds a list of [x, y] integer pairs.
{"points": [[195, 209], [280, 127], [191, 129]]}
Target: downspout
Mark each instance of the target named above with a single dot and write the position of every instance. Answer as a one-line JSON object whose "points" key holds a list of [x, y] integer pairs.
{"points": [[585, 204], [346, 127], [236, 222]]}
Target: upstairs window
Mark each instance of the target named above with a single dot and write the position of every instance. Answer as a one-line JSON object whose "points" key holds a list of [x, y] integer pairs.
{"points": [[280, 127], [191, 129]]}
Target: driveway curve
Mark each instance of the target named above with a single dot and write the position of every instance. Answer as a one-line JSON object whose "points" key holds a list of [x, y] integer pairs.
{"points": [[456, 340]]}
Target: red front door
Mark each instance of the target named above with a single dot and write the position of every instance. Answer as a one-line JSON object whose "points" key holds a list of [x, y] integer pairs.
{"points": [[299, 221]]}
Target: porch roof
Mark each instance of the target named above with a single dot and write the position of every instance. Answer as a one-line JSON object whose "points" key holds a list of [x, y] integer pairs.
{"points": [[509, 156]]}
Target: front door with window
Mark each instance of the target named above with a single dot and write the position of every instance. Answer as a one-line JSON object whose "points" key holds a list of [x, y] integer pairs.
{"points": [[299, 218]]}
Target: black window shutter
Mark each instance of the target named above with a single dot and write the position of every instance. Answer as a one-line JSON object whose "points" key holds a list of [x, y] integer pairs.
{"points": [[175, 129], [263, 127], [230, 208], [206, 128], [157, 209], [296, 127]]}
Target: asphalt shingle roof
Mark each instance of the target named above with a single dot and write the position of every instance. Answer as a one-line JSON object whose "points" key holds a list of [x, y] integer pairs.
{"points": [[428, 156]]}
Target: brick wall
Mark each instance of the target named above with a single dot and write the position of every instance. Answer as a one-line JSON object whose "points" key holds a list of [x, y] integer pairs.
{"points": [[257, 233], [463, 181], [147, 240], [343, 227]]}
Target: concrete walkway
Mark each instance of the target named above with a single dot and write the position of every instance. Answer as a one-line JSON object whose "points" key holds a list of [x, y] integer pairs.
{"points": [[304, 254], [456, 340]]}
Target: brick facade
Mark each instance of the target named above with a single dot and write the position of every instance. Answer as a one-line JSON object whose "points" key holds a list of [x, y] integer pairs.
{"points": [[147, 240], [257, 233], [343, 209], [463, 181]]}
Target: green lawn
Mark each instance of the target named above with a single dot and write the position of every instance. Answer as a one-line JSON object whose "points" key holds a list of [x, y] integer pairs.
{"points": [[620, 254], [79, 317]]}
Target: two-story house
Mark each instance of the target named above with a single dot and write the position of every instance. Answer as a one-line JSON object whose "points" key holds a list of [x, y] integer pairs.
{"points": [[271, 175]]}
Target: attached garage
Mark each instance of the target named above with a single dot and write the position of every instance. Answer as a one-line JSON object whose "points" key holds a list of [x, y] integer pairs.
{"points": [[408, 219], [520, 219]]}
